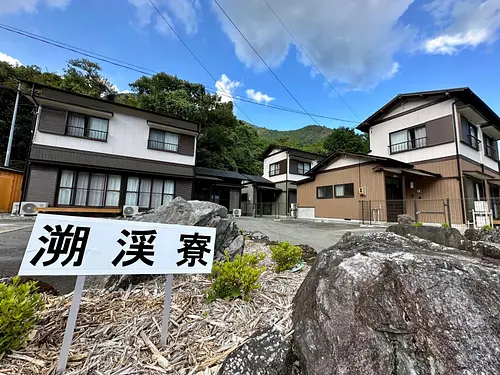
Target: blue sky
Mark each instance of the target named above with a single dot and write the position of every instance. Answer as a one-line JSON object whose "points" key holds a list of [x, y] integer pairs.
{"points": [[368, 50]]}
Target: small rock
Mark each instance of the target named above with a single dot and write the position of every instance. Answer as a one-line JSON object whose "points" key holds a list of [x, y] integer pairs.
{"points": [[405, 220]]}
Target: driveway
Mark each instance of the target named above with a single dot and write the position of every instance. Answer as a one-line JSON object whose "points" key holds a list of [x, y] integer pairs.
{"points": [[315, 234]]}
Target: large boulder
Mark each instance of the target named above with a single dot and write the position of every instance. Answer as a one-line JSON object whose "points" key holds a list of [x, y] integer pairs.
{"points": [[483, 234], [384, 304], [449, 237], [405, 220]]}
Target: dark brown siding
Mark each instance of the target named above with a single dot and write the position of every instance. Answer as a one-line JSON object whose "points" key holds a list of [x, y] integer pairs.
{"points": [[282, 166], [186, 144], [440, 131], [183, 189], [294, 167], [106, 161], [52, 121], [42, 184]]}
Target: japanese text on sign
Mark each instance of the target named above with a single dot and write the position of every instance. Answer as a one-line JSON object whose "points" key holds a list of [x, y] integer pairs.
{"points": [[65, 245]]}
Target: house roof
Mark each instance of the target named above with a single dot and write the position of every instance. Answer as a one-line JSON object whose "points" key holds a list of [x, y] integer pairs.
{"points": [[259, 180], [272, 147], [337, 155], [11, 170], [179, 121], [465, 94], [202, 171]]}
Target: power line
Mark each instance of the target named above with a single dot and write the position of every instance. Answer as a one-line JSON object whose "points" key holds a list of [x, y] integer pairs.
{"points": [[147, 71], [260, 57], [311, 60]]}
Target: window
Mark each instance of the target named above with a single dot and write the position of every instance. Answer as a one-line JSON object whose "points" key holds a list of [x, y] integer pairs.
{"points": [[324, 192], [469, 133], [149, 193], [274, 169], [83, 126], [163, 141], [344, 191], [88, 189], [303, 167], [408, 139], [490, 147]]}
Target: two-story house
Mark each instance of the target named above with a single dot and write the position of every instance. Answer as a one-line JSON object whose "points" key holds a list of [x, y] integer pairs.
{"points": [[96, 156], [426, 148], [284, 167]]}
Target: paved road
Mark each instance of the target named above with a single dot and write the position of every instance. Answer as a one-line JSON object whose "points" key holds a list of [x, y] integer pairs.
{"points": [[12, 246], [315, 234]]}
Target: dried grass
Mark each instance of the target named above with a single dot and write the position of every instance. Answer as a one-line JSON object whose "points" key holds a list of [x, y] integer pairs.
{"points": [[118, 333]]}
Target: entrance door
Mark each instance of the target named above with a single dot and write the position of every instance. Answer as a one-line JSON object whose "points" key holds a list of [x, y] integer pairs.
{"points": [[394, 198]]}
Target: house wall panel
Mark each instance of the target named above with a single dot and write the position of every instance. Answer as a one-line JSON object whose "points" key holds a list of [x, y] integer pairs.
{"points": [[52, 120], [42, 184], [184, 188]]}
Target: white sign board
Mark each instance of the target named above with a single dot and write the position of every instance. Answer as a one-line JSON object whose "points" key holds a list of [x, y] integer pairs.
{"points": [[68, 245]]}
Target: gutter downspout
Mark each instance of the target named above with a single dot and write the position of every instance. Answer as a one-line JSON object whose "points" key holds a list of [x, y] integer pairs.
{"points": [[459, 177]]}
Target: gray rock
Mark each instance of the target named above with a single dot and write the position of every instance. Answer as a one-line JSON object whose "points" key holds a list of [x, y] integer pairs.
{"points": [[472, 234], [449, 237], [385, 304], [405, 219], [483, 235], [266, 352], [486, 249], [236, 247]]}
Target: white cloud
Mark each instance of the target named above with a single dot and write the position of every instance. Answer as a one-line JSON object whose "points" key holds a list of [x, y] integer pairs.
{"points": [[353, 42], [9, 59], [465, 24], [179, 13], [30, 6], [225, 88], [258, 96]]}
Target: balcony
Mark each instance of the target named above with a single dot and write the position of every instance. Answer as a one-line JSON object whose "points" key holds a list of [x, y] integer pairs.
{"points": [[410, 145], [79, 132], [162, 146], [491, 152]]}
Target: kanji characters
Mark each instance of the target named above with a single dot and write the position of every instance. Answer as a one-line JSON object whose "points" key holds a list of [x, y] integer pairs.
{"points": [[140, 249], [195, 247], [63, 243]]}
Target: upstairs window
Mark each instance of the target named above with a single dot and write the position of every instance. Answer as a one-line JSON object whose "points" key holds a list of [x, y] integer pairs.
{"points": [[490, 147], [303, 167], [469, 134], [89, 127], [408, 139], [274, 169], [163, 141]]}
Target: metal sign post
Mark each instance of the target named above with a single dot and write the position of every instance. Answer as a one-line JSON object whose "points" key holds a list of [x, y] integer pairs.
{"points": [[79, 246]]}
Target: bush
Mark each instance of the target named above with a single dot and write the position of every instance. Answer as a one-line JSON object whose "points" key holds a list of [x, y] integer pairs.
{"points": [[445, 226], [235, 278], [285, 256], [417, 224], [487, 227], [19, 304]]}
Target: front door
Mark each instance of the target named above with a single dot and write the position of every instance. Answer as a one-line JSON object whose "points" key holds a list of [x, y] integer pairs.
{"points": [[394, 198]]}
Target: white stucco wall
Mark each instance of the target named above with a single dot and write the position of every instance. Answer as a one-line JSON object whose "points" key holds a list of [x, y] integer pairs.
{"points": [[379, 134], [127, 136], [271, 160], [342, 162]]}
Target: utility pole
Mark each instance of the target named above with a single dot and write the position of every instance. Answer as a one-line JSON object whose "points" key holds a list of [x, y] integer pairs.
{"points": [[12, 127]]}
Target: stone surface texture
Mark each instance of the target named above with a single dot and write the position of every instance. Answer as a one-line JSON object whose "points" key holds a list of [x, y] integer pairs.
{"points": [[266, 352], [483, 235], [385, 304], [450, 237], [405, 219]]}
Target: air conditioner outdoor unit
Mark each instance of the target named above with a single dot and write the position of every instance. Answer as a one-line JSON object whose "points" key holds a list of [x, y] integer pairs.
{"points": [[237, 212], [129, 211], [15, 208], [29, 208]]}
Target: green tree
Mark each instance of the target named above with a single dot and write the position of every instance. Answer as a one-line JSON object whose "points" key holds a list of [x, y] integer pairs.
{"points": [[84, 77], [344, 139]]}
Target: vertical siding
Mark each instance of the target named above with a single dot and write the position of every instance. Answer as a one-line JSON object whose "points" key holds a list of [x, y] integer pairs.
{"points": [[10, 189], [184, 188], [42, 184], [294, 166], [52, 121], [186, 144], [446, 168], [440, 131], [283, 166], [343, 208]]}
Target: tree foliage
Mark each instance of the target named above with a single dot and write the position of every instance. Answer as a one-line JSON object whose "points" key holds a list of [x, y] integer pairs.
{"points": [[344, 139]]}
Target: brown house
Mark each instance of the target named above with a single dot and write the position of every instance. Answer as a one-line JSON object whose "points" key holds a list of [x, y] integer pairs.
{"points": [[433, 155]]}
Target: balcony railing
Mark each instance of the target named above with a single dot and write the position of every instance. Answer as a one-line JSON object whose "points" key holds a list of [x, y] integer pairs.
{"points": [[491, 152], [162, 146], [472, 141], [412, 144], [79, 132]]}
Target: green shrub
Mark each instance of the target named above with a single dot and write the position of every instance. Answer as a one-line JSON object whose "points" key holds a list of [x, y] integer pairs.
{"points": [[418, 224], [285, 255], [235, 278], [445, 226], [487, 227], [19, 305]]}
